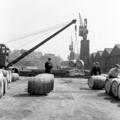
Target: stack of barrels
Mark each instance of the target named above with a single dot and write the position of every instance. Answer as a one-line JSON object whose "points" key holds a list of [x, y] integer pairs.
{"points": [[97, 82], [6, 76], [41, 84], [3, 82], [112, 87]]}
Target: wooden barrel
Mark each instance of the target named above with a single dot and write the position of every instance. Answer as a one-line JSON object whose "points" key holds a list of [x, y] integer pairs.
{"points": [[119, 91], [4, 72], [52, 83], [9, 76], [80, 64], [108, 84], [15, 76], [96, 82], [41, 84], [5, 84], [114, 87], [47, 78], [1, 84]]}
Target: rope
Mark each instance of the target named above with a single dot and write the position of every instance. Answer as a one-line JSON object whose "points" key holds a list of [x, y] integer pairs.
{"points": [[39, 32], [33, 40], [27, 43]]}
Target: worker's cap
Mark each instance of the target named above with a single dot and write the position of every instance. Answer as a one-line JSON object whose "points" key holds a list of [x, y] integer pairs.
{"points": [[117, 65], [49, 58]]}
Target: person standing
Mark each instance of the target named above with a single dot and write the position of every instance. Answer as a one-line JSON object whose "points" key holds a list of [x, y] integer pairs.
{"points": [[48, 66], [96, 69]]}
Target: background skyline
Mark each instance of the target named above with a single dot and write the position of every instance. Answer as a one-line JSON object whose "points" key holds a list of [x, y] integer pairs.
{"points": [[20, 17]]}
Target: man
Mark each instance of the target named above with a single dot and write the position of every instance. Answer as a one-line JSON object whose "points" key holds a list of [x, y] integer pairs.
{"points": [[48, 66], [95, 69], [114, 72]]}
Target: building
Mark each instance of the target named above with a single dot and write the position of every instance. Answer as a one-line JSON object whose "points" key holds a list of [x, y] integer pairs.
{"points": [[91, 59], [107, 58]]}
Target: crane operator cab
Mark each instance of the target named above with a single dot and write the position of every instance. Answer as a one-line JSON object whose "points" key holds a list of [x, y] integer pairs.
{"points": [[4, 55]]}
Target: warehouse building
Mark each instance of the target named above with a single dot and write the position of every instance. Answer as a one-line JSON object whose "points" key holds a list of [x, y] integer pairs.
{"points": [[107, 58]]}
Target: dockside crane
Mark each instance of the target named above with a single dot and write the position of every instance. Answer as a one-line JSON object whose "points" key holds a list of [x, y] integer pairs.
{"points": [[83, 31], [3, 52]]}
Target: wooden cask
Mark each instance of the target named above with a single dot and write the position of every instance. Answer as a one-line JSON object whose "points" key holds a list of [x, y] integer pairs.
{"points": [[15, 76], [4, 72], [52, 84], [9, 76], [41, 84], [114, 87], [80, 64], [5, 85], [97, 82], [119, 91], [108, 84], [1, 84]]}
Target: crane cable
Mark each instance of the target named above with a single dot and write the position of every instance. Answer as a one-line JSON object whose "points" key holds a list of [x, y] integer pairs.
{"points": [[32, 40], [38, 37], [39, 32]]}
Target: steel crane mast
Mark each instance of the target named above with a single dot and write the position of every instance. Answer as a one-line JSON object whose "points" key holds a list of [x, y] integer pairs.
{"points": [[83, 31]]}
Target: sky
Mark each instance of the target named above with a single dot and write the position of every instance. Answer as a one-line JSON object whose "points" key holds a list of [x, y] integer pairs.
{"points": [[23, 17]]}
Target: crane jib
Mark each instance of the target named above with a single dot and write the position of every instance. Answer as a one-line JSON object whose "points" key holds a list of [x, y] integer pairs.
{"points": [[41, 43]]}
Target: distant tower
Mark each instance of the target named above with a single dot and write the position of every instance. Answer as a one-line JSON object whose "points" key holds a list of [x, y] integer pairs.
{"points": [[84, 49]]}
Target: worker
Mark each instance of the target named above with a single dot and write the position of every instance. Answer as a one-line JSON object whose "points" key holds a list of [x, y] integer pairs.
{"points": [[95, 69], [48, 66], [114, 72]]}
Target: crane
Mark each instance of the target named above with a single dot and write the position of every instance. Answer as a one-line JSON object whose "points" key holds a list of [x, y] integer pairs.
{"points": [[83, 31], [38, 45]]}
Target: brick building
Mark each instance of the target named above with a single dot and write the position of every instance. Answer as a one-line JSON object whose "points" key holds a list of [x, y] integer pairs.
{"points": [[107, 58]]}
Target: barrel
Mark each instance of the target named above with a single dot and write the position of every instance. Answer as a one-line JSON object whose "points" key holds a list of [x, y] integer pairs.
{"points": [[96, 82], [9, 76], [80, 64], [5, 85], [1, 84], [15, 76], [108, 84], [41, 84], [4, 72], [114, 87], [52, 84], [119, 91], [47, 77]]}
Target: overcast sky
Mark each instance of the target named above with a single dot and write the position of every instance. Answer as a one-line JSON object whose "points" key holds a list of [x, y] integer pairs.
{"points": [[21, 17]]}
